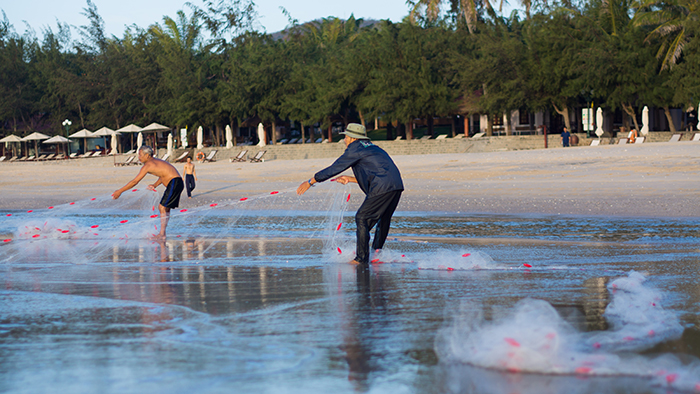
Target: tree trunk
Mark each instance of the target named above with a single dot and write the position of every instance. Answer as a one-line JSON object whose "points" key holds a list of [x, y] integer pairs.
{"points": [[489, 125], [303, 137], [630, 111], [409, 130], [565, 113], [330, 132], [669, 118], [376, 123], [454, 126], [362, 119], [431, 129], [389, 132]]}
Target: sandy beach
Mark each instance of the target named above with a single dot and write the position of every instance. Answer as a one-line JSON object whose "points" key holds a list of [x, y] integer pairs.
{"points": [[650, 180]]}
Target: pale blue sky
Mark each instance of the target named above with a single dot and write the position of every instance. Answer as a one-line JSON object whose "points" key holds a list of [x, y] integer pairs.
{"points": [[118, 14]]}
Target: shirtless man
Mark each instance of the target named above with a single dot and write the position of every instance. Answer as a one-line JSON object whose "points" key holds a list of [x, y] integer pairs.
{"points": [[190, 177], [167, 175]]}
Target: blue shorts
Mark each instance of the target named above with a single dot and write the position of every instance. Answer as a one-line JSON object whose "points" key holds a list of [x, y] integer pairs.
{"points": [[171, 196]]}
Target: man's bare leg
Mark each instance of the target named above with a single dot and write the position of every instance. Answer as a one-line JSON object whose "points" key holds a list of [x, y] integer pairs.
{"points": [[164, 218]]}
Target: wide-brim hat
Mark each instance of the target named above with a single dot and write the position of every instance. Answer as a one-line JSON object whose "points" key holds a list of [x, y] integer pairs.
{"points": [[356, 130]]}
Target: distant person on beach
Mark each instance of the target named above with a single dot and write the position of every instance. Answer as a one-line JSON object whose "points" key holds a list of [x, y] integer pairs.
{"points": [[190, 177], [379, 179], [565, 135], [167, 175]]}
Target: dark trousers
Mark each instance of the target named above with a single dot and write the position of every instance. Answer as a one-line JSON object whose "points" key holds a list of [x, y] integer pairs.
{"points": [[378, 211], [189, 184]]}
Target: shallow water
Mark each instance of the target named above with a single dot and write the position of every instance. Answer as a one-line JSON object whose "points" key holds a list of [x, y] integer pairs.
{"points": [[266, 305]]}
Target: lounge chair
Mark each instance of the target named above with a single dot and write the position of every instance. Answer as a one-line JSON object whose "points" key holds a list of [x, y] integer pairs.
{"points": [[73, 155], [96, 154], [29, 158], [3, 158], [318, 141], [60, 156], [696, 137], [182, 157], [458, 136], [441, 137], [240, 156], [398, 138], [622, 141], [478, 135], [293, 141], [595, 142], [210, 156], [258, 157], [42, 157], [425, 137], [639, 140], [49, 157], [131, 152], [127, 162], [283, 141], [676, 137], [13, 158], [165, 157]]}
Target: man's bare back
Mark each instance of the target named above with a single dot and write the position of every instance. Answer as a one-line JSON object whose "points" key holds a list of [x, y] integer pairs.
{"points": [[151, 165]]}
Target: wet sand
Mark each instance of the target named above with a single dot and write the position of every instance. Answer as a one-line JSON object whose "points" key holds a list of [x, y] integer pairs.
{"points": [[650, 180]]}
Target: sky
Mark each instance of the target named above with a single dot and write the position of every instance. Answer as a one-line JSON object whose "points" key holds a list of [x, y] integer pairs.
{"points": [[117, 14]]}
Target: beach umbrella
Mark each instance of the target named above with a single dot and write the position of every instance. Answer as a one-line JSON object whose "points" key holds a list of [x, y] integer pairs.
{"points": [[183, 137], [645, 121], [154, 128], [131, 129], [599, 122], [35, 136], [261, 135], [200, 138], [57, 139], [170, 145], [229, 137], [139, 141], [84, 134], [104, 132], [115, 143], [11, 139]]}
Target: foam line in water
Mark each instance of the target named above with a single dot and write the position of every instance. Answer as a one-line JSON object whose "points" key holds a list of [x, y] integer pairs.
{"points": [[534, 338]]}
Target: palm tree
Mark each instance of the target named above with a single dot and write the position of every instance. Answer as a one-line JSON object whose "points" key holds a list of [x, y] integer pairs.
{"points": [[671, 20]]}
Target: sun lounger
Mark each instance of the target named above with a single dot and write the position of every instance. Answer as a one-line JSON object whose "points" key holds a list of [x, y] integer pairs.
{"points": [[182, 157], [258, 157], [676, 137], [131, 152], [595, 142], [165, 157], [458, 136], [282, 141], [127, 162], [639, 140], [441, 137], [319, 140], [13, 158], [48, 157], [398, 138], [696, 137], [622, 141], [210, 156], [42, 157], [478, 135], [60, 156], [293, 141], [3, 158], [425, 137], [29, 158], [73, 155], [240, 156]]}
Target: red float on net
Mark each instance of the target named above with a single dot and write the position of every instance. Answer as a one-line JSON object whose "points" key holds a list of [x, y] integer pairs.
{"points": [[154, 216], [340, 251], [339, 224], [348, 199], [512, 342], [183, 210], [274, 192], [95, 226], [527, 265], [93, 199], [30, 211], [6, 240], [466, 255], [243, 199], [123, 221], [135, 190], [213, 205], [36, 236], [9, 214], [450, 269], [50, 207]]}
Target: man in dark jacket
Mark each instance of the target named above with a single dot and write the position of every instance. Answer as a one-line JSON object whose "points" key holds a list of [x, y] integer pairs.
{"points": [[379, 179]]}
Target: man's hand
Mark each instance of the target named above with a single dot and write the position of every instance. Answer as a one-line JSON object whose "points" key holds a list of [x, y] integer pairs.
{"points": [[152, 187], [303, 188], [344, 179], [116, 194]]}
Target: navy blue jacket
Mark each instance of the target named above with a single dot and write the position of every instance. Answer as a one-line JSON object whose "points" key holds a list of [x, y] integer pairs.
{"points": [[374, 170]]}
